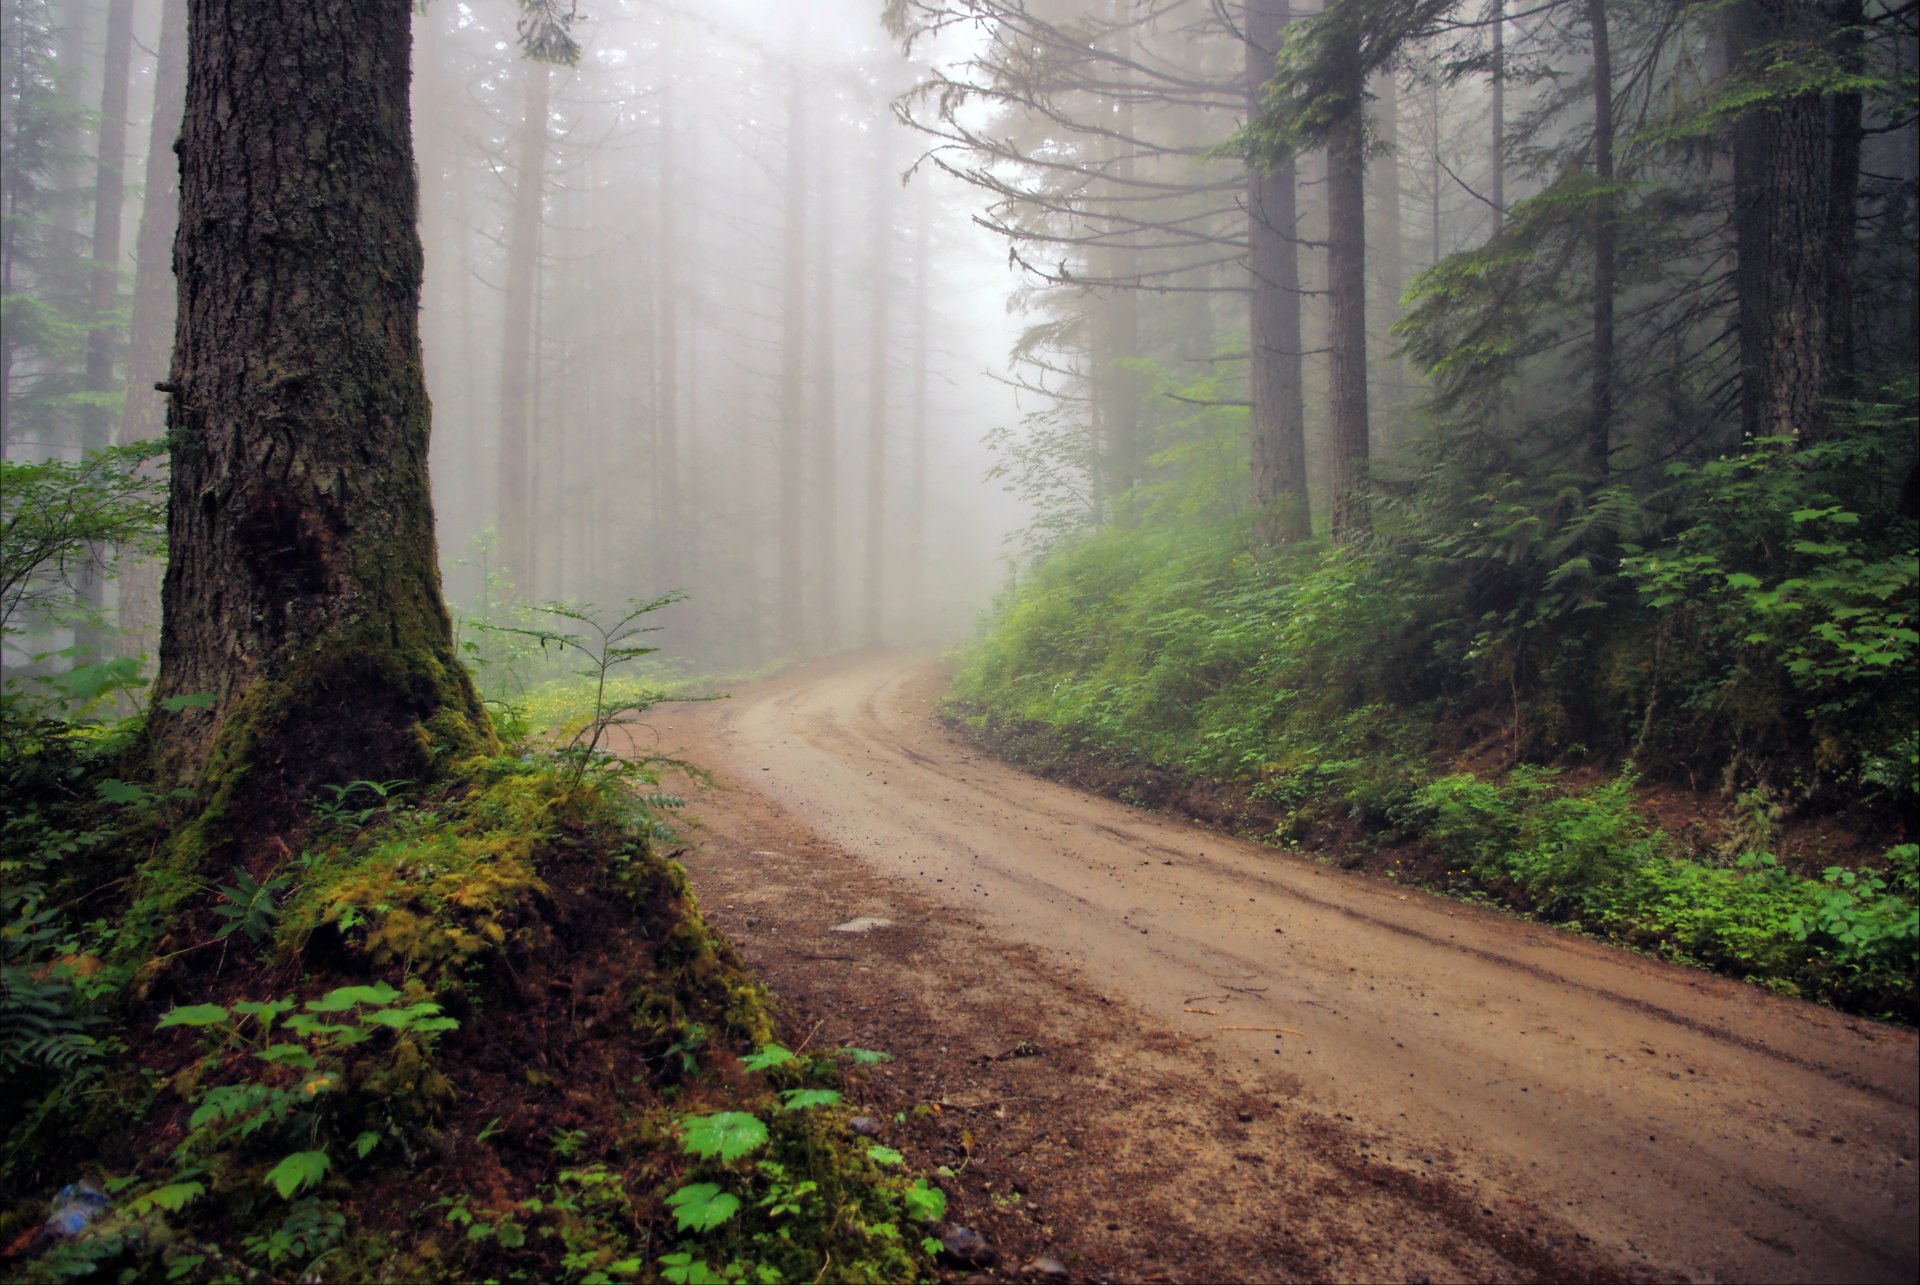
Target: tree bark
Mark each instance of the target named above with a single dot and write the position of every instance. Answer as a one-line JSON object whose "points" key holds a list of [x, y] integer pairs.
{"points": [[1347, 294], [143, 415], [1600, 422], [1782, 232], [302, 593], [1843, 198], [1277, 422], [517, 347]]}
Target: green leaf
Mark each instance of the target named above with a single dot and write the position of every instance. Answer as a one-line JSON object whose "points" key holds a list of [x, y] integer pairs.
{"points": [[193, 1015], [114, 790], [343, 998], [925, 1204], [684, 1269], [865, 1057], [287, 1055], [768, 1057], [702, 1206], [726, 1134], [172, 1198], [881, 1155], [365, 1142], [801, 1099], [300, 1170]]}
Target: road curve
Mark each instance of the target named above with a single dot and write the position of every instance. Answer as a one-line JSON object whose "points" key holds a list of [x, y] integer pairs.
{"points": [[1689, 1125]]}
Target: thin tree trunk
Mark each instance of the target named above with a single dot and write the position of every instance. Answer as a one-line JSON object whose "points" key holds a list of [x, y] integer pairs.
{"points": [[1497, 142], [791, 572], [517, 344], [1347, 295], [302, 593], [109, 202], [823, 458], [143, 415], [1600, 423], [1277, 423], [1387, 254], [917, 487], [881, 250], [667, 337], [1438, 188], [103, 279]]}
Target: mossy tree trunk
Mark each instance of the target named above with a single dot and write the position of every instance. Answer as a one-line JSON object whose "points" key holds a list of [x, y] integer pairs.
{"points": [[302, 592]]}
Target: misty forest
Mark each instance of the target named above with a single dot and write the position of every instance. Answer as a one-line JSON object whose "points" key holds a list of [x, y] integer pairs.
{"points": [[976, 640]]}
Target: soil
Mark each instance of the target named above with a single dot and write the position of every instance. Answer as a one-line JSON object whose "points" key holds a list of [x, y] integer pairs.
{"points": [[1155, 1052]]}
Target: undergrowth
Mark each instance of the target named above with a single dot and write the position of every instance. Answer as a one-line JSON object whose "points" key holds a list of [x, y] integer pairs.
{"points": [[462, 1029], [1749, 630]]}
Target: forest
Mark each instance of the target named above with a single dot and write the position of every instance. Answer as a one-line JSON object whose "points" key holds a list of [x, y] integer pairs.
{"points": [[645, 641]]}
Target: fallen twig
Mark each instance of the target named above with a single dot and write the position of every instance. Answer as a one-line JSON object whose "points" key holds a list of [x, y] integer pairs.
{"points": [[1208, 1011], [1283, 1030]]}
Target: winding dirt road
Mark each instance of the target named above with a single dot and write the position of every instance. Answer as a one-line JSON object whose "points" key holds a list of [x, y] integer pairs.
{"points": [[1448, 1092]]}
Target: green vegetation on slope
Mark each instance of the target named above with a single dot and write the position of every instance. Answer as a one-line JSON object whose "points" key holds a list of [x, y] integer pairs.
{"points": [[473, 1028], [1748, 628]]}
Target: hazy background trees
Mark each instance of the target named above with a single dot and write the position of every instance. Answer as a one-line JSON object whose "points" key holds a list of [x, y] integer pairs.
{"points": [[684, 327]]}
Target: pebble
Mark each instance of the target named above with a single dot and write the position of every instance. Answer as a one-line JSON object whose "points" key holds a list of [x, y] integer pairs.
{"points": [[965, 1247], [864, 924], [865, 1125], [1048, 1269]]}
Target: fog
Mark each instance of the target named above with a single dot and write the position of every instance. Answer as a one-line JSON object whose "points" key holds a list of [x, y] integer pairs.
{"points": [[696, 318]]}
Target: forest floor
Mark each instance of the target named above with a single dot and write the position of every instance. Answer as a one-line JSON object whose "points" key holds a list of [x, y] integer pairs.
{"points": [[1149, 1050]]}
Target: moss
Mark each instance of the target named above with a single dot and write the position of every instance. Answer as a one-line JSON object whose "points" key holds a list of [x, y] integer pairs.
{"points": [[363, 704]]}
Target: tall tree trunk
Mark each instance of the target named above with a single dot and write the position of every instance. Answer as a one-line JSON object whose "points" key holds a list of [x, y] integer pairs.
{"points": [[1600, 422], [917, 485], [1387, 255], [667, 338], [1347, 293], [880, 249], [302, 594], [103, 280], [109, 202], [518, 342], [1497, 123], [1121, 308], [1277, 423], [1843, 197], [824, 448], [1782, 232], [791, 573], [143, 415], [1436, 228]]}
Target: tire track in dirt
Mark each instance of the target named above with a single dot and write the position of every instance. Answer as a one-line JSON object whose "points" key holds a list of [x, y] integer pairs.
{"points": [[1455, 1093]]}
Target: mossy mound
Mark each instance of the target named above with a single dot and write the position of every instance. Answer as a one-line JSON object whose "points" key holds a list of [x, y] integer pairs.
{"points": [[469, 1034]]}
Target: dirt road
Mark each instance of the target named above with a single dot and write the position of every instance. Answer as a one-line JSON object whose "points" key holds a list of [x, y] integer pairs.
{"points": [[1450, 1093]]}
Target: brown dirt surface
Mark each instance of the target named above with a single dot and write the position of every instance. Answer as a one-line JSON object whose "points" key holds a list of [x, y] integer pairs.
{"points": [[1081, 1000]]}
